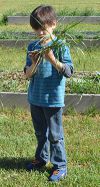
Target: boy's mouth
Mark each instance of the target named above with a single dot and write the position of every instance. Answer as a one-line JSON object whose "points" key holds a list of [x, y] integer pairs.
{"points": [[47, 36], [41, 36]]}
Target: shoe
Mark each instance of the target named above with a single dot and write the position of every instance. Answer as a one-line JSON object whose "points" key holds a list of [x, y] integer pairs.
{"points": [[58, 174], [35, 164]]}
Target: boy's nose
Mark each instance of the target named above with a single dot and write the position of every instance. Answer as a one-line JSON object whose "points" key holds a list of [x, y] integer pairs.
{"points": [[40, 32]]}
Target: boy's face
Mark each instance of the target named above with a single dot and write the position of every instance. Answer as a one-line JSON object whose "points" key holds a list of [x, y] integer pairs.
{"points": [[47, 30]]}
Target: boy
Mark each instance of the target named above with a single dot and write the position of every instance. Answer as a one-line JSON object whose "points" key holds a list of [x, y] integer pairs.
{"points": [[46, 92]]}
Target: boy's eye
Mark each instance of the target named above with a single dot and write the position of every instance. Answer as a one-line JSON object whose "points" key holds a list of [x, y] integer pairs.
{"points": [[43, 29]]}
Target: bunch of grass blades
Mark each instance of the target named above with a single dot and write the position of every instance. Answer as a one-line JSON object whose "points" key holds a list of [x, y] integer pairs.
{"points": [[63, 39]]}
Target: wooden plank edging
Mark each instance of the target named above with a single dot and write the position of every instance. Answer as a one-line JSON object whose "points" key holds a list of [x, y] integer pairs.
{"points": [[61, 19], [79, 102]]}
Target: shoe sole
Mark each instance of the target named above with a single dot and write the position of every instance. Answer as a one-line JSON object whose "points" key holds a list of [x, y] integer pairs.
{"points": [[61, 178]]}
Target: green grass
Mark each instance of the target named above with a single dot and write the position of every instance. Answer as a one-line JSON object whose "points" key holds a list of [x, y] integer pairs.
{"points": [[27, 28], [18, 144], [77, 12], [13, 59], [23, 6], [87, 62], [74, 33], [83, 85], [15, 28]]}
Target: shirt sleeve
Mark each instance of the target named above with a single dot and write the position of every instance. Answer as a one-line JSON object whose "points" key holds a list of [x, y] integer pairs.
{"points": [[65, 58], [28, 59]]}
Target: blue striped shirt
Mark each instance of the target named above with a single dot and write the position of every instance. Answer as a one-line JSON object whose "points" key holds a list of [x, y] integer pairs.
{"points": [[47, 85]]}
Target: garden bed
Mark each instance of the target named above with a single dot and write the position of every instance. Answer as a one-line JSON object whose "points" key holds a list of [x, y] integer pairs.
{"points": [[31, 35], [82, 83], [22, 43], [82, 91]]}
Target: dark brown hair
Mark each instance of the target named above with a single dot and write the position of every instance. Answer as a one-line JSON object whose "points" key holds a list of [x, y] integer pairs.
{"points": [[43, 14]]}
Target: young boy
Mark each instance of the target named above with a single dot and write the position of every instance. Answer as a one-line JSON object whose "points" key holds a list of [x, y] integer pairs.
{"points": [[46, 92]]}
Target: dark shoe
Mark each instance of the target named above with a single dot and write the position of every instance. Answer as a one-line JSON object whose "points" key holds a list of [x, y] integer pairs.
{"points": [[35, 164], [58, 174]]}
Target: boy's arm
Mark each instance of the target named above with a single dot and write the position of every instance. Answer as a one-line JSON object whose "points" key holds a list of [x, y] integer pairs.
{"points": [[65, 69], [65, 66], [66, 60], [29, 71], [31, 63]]}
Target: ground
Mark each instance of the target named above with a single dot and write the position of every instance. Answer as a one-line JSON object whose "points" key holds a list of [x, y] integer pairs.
{"points": [[18, 144]]}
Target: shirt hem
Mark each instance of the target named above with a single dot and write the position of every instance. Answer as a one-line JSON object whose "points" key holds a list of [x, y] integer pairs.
{"points": [[46, 105]]}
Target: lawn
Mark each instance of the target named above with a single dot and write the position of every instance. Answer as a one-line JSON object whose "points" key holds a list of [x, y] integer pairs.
{"points": [[18, 146], [27, 6], [12, 59]]}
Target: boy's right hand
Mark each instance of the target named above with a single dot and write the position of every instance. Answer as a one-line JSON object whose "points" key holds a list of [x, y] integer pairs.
{"points": [[34, 55]]}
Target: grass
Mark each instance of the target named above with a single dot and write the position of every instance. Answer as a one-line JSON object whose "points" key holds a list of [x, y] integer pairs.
{"points": [[23, 6], [83, 85], [13, 59], [87, 62], [17, 35], [27, 28], [18, 144], [77, 12], [15, 28]]}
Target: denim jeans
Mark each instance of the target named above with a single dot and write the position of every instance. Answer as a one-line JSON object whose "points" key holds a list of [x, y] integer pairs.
{"points": [[47, 122]]}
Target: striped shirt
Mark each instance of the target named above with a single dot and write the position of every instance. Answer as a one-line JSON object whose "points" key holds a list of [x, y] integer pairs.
{"points": [[47, 85]]}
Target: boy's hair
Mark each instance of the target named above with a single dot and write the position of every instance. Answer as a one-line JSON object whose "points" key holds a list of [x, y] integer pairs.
{"points": [[42, 15]]}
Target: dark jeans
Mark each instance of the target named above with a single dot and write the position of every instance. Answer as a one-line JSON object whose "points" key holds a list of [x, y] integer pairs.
{"points": [[48, 127]]}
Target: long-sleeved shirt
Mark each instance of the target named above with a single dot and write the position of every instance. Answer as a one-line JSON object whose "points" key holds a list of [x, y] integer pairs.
{"points": [[47, 85]]}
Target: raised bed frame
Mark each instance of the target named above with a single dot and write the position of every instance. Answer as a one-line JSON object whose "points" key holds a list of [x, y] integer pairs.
{"points": [[61, 19], [79, 102]]}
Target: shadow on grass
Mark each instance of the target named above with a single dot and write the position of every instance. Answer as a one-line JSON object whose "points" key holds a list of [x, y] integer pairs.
{"points": [[14, 163], [17, 164]]}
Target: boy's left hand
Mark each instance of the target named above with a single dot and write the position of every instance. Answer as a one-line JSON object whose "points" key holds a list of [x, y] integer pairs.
{"points": [[50, 56]]}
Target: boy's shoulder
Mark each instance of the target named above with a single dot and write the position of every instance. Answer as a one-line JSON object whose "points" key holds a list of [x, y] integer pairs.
{"points": [[62, 43], [33, 44]]}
